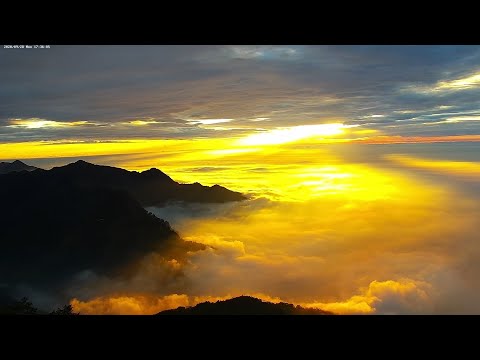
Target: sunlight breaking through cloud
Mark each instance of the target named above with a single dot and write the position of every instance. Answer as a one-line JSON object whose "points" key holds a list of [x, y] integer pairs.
{"points": [[360, 166], [295, 133]]}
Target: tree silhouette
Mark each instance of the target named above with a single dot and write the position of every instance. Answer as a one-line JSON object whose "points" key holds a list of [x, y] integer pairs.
{"points": [[66, 310], [22, 307]]}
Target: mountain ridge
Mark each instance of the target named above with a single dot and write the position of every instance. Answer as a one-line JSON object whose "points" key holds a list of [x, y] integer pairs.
{"points": [[58, 223], [150, 187], [244, 305], [15, 166]]}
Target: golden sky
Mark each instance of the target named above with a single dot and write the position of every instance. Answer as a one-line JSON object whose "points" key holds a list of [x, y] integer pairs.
{"points": [[360, 162], [323, 228]]}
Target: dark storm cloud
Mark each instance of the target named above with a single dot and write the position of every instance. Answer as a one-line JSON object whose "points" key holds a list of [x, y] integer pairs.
{"points": [[109, 87]]}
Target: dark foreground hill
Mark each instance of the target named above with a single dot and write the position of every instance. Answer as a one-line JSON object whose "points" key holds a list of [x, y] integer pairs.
{"points": [[53, 232], [244, 305], [58, 223], [17, 165]]}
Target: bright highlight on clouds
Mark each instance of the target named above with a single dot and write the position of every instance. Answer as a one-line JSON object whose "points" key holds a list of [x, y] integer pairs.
{"points": [[129, 305], [465, 83], [325, 226], [385, 297], [330, 230], [460, 84], [35, 123], [295, 133], [142, 122], [322, 224], [458, 119], [184, 91], [380, 297], [456, 168], [227, 152]]}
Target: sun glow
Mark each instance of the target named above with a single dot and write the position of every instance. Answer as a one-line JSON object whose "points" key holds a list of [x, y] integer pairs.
{"points": [[291, 134], [345, 179], [314, 214], [466, 169]]}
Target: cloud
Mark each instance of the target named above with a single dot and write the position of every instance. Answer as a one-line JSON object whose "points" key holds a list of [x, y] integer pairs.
{"points": [[145, 304], [381, 297], [182, 211], [36, 123], [142, 122], [464, 169], [154, 91], [371, 240], [464, 83], [460, 84], [159, 273], [246, 52], [263, 52], [291, 134], [344, 230], [384, 297], [209, 121], [331, 220], [129, 305]]}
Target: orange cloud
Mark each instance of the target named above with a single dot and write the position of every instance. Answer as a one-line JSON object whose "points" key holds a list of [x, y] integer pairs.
{"points": [[385, 297], [143, 304], [129, 305]]}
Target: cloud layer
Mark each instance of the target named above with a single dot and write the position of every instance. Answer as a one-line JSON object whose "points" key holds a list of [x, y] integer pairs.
{"points": [[112, 92], [352, 228], [370, 230]]}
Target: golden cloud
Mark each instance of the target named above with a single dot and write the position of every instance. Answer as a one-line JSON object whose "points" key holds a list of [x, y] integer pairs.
{"points": [[36, 123], [386, 297]]}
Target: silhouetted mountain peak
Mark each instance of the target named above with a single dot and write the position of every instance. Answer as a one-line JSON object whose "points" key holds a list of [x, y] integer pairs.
{"points": [[155, 173], [81, 163], [85, 168], [151, 187], [15, 166], [56, 223]]}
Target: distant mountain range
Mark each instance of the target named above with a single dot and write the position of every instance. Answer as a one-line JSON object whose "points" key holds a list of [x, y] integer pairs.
{"points": [[244, 305], [150, 187], [17, 165], [57, 223]]}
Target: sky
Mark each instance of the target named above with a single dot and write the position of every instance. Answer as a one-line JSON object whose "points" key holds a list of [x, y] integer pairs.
{"points": [[101, 93], [361, 164]]}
